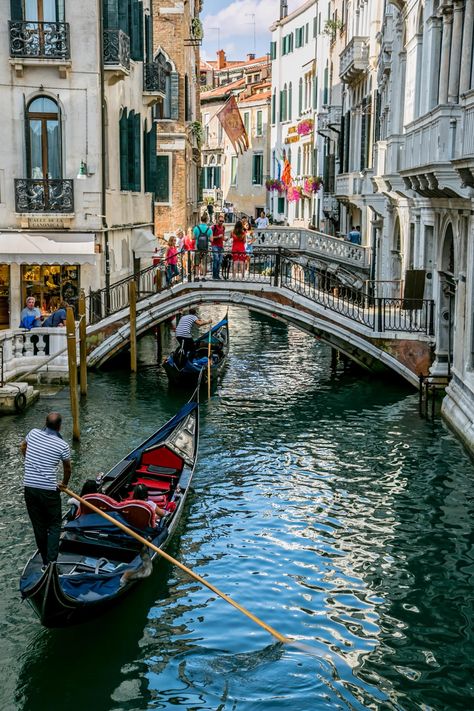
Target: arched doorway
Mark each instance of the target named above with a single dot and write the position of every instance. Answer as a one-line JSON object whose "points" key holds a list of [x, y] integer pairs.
{"points": [[446, 304]]}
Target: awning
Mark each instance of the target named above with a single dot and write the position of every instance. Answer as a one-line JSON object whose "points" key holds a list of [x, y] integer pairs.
{"points": [[54, 248], [143, 243]]}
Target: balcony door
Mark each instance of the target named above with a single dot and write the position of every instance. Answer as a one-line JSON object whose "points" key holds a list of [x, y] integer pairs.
{"points": [[43, 11], [43, 139]]}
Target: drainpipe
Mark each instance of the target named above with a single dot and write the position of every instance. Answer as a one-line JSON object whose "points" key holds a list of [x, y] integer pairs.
{"points": [[103, 129]]}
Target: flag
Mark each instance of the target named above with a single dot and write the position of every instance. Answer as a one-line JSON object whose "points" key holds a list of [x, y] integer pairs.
{"points": [[286, 175], [231, 122]]}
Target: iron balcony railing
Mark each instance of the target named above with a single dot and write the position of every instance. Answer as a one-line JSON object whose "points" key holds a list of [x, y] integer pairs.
{"points": [[297, 273], [154, 78], [44, 195], [116, 49], [43, 40]]}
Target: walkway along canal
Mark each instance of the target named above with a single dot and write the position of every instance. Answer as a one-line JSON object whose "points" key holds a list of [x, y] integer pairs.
{"points": [[322, 502]]}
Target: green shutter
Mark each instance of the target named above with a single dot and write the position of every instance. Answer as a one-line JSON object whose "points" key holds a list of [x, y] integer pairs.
{"points": [[123, 21], [16, 10], [174, 99], [141, 42], [136, 30], [124, 181], [137, 154], [131, 145], [110, 14], [150, 160], [148, 39], [315, 93], [162, 179], [59, 10], [290, 102]]}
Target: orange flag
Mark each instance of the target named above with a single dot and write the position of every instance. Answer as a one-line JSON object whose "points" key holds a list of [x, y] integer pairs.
{"points": [[286, 174], [232, 123]]}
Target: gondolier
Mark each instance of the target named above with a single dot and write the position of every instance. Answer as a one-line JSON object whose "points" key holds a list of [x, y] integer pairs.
{"points": [[43, 451], [184, 331]]}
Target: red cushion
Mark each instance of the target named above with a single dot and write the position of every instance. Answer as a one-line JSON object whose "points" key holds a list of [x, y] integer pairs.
{"points": [[153, 484], [162, 457], [137, 513]]}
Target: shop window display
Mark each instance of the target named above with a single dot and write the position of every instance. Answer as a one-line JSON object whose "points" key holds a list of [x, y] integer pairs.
{"points": [[50, 284], [4, 295]]}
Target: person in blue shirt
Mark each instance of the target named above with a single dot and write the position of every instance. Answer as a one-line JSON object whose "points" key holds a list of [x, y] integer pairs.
{"points": [[58, 317], [30, 316], [354, 235]]}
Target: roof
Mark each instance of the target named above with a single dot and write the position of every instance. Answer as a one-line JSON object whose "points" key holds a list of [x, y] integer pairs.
{"points": [[258, 96], [223, 90], [240, 63]]}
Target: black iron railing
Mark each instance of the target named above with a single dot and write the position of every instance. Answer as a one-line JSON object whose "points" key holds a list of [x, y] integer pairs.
{"points": [[299, 274], [44, 195], [44, 40], [116, 48], [154, 78]]}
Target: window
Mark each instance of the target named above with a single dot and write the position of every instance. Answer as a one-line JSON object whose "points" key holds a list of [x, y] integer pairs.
{"points": [[298, 162], [167, 107], [126, 16], [257, 169], [38, 10], [163, 182], [233, 170], [43, 139], [290, 101], [281, 205], [130, 153], [212, 177], [306, 32], [274, 107], [300, 97], [299, 37], [247, 122], [259, 130], [273, 50], [149, 158]]}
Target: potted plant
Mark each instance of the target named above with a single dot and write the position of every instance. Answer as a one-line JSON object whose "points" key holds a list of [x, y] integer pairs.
{"points": [[312, 185], [305, 127]]}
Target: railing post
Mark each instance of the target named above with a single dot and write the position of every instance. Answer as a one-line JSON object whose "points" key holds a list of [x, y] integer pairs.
{"points": [[132, 295], [276, 278], [379, 314], [72, 368], [431, 319], [82, 343]]}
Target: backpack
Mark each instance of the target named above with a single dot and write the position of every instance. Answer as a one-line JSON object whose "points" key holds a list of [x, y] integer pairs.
{"points": [[28, 321], [202, 240]]}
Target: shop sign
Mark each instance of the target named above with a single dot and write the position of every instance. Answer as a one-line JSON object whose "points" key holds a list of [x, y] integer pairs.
{"points": [[46, 222], [292, 139]]}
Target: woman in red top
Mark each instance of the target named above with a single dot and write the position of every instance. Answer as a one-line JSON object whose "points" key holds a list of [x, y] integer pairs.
{"points": [[171, 259], [238, 250], [189, 246]]}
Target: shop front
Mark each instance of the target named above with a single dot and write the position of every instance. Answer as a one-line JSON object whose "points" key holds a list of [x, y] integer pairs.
{"points": [[50, 284], [4, 295]]}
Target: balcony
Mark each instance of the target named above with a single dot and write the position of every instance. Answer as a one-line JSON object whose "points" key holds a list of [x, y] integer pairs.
{"points": [[33, 43], [330, 121], [154, 82], [464, 156], [354, 59], [330, 205], [116, 54], [44, 196]]}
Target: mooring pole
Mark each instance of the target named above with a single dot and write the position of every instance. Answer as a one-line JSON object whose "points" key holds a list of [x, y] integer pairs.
{"points": [[132, 297], [72, 369], [82, 343]]}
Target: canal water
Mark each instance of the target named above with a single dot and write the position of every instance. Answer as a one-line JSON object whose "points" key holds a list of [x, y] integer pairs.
{"points": [[321, 502]]}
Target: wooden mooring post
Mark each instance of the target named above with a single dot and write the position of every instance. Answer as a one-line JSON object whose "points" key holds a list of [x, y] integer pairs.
{"points": [[72, 369], [132, 297], [82, 343]]}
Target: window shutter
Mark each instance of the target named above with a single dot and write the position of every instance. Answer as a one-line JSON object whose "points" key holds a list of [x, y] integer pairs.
{"points": [[59, 10], [148, 39], [137, 154], [187, 111], [174, 98], [341, 146], [27, 139], [363, 136], [122, 10], [16, 10], [136, 30], [130, 147], [315, 92], [110, 14], [290, 104], [217, 176], [141, 46], [124, 182], [150, 160], [300, 97], [347, 145], [162, 178]]}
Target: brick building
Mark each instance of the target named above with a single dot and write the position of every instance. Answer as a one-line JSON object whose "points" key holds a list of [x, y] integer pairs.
{"points": [[176, 39]]}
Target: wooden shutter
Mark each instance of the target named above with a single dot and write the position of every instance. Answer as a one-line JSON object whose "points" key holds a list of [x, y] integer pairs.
{"points": [[341, 146], [347, 145], [363, 135], [148, 39], [59, 10], [16, 10], [141, 43], [150, 160], [123, 19], [124, 180], [131, 145], [110, 15], [136, 30], [174, 98], [137, 154], [162, 178]]}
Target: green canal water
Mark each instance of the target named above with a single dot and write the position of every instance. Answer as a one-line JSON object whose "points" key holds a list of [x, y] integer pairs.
{"points": [[321, 502]]}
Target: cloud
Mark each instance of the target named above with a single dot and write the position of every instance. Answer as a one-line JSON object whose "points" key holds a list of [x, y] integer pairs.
{"points": [[235, 21]]}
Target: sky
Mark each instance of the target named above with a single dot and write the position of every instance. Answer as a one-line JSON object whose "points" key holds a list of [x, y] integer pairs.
{"points": [[235, 20]]}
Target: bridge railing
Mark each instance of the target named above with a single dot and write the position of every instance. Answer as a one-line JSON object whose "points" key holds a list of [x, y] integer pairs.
{"points": [[317, 243], [296, 272]]}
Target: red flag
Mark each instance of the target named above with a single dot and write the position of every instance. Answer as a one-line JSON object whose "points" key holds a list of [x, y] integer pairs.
{"points": [[232, 123], [286, 175]]}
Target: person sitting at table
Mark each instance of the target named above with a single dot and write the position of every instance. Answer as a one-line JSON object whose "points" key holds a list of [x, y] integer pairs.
{"points": [[30, 316], [57, 318]]}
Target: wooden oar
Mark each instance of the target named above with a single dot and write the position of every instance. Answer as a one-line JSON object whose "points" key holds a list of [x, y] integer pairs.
{"points": [[277, 635], [209, 366]]}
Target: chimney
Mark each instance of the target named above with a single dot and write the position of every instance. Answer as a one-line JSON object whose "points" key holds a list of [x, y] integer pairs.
{"points": [[283, 9], [221, 60], [250, 57]]}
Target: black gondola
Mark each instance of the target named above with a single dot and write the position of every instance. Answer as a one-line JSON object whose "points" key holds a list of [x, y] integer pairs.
{"points": [[98, 563], [181, 370]]}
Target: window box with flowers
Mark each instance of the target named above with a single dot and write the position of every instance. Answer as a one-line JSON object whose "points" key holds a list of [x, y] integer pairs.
{"points": [[294, 193], [312, 185], [305, 127], [275, 185]]}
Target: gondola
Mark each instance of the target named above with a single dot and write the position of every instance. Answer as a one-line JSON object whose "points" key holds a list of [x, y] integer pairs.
{"points": [[98, 563], [182, 371]]}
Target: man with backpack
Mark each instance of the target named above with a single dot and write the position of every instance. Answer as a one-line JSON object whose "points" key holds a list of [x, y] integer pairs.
{"points": [[202, 234]]}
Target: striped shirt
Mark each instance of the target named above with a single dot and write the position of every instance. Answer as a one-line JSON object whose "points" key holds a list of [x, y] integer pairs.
{"points": [[183, 329], [44, 450]]}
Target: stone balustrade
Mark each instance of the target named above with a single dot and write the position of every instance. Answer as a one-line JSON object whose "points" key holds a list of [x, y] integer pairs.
{"points": [[333, 249], [21, 351], [432, 138]]}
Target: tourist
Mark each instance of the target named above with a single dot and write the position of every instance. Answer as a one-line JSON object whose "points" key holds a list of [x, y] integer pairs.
{"points": [[210, 211], [239, 256], [180, 238], [184, 331], [57, 318], [217, 245], [262, 221], [202, 234], [43, 450], [30, 316], [249, 240], [140, 493], [171, 260], [354, 235]]}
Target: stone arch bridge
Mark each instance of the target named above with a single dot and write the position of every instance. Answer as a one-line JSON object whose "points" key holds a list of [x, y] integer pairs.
{"points": [[380, 334]]}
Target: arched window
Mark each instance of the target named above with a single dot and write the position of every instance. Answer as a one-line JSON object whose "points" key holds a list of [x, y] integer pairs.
{"points": [[290, 101], [43, 134], [167, 108], [300, 97]]}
